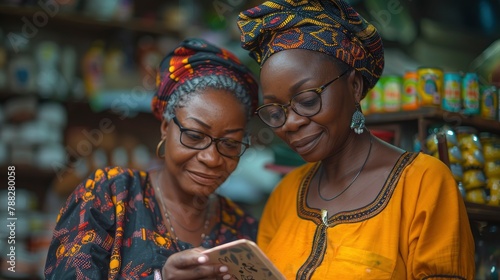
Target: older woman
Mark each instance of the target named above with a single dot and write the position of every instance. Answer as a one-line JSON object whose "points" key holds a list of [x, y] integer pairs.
{"points": [[123, 223], [360, 208]]}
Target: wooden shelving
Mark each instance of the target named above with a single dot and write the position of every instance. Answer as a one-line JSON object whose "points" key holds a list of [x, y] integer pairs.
{"points": [[482, 212], [436, 114]]}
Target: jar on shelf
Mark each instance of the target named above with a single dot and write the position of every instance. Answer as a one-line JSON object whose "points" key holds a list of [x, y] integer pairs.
{"points": [[430, 86], [409, 95], [491, 145], [488, 102]]}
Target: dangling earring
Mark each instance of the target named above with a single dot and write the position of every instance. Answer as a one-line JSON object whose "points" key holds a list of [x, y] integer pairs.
{"points": [[158, 149], [358, 121]]}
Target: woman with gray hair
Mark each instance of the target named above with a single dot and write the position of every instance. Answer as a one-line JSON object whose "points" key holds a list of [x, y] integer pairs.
{"points": [[123, 223]]}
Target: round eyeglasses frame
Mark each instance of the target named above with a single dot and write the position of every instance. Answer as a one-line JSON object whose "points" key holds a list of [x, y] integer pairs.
{"points": [[284, 107], [217, 141]]}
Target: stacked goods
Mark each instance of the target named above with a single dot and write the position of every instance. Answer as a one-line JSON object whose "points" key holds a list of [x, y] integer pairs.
{"points": [[432, 87], [454, 153], [491, 153], [474, 162], [474, 180]]}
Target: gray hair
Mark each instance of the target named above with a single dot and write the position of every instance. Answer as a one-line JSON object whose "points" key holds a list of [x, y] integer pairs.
{"points": [[180, 97]]}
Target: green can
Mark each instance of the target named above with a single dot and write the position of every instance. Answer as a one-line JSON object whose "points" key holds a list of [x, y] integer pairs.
{"points": [[392, 86], [376, 96]]}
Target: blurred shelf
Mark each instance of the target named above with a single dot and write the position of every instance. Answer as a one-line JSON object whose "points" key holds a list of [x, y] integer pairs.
{"points": [[80, 21], [125, 100], [434, 113], [483, 212]]}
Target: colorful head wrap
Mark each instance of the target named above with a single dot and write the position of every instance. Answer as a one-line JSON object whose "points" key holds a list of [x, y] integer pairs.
{"points": [[195, 58], [328, 26]]}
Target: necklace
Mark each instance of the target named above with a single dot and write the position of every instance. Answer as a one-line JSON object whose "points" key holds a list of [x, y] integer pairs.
{"points": [[171, 226], [169, 215], [350, 184]]}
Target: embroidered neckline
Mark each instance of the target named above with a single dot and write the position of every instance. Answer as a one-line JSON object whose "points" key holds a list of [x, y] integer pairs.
{"points": [[355, 215]]}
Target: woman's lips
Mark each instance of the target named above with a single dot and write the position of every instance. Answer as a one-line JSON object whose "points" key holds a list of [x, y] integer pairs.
{"points": [[306, 144], [204, 179]]}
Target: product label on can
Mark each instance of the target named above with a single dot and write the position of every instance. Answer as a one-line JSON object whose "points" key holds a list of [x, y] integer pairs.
{"points": [[409, 99], [392, 93], [470, 94], [430, 82], [489, 102], [452, 90]]}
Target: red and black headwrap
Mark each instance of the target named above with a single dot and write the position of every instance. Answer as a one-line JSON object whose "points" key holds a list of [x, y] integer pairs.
{"points": [[197, 58]]}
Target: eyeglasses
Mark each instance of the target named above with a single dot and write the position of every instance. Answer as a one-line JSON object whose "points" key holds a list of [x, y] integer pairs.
{"points": [[306, 103], [199, 141]]}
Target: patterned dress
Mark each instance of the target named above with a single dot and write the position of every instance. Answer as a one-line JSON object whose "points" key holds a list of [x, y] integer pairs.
{"points": [[111, 227]]}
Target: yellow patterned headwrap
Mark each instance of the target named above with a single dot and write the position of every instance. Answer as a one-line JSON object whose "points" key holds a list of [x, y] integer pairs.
{"points": [[332, 27]]}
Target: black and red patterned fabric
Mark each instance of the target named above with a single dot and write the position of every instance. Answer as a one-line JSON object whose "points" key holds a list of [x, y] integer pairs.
{"points": [[112, 228]]}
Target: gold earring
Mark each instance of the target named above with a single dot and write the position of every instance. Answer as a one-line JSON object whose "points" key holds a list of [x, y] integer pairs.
{"points": [[158, 149]]}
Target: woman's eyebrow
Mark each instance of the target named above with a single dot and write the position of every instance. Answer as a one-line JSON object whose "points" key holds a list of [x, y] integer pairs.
{"points": [[208, 127], [294, 88]]}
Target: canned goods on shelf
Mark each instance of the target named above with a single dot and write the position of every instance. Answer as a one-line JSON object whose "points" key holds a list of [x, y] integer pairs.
{"points": [[392, 86], [430, 86], [488, 102], [470, 94], [376, 98], [409, 95], [451, 100]]}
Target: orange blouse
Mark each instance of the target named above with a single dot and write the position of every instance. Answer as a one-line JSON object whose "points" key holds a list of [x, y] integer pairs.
{"points": [[416, 228]]}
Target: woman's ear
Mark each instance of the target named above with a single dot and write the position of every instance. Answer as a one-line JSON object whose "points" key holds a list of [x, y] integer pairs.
{"points": [[163, 128], [355, 80]]}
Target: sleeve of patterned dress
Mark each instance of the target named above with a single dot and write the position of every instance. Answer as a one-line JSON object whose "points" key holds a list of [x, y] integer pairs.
{"points": [[441, 245], [85, 232]]}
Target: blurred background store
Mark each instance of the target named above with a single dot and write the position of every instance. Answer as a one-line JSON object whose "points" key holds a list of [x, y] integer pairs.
{"points": [[77, 77]]}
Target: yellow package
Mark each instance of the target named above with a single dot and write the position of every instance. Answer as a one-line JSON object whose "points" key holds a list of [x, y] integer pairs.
{"points": [[476, 196], [492, 169], [472, 159], [473, 178], [491, 150], [455, 155], [431, 144], [494, 187], [457, 171], [470, 142]]}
